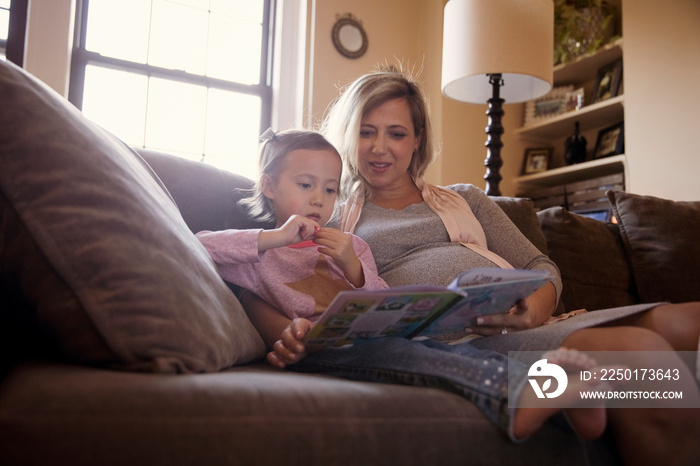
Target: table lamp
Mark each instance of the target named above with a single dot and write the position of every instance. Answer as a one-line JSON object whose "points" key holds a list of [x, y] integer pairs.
{"points": [[495, 51]]}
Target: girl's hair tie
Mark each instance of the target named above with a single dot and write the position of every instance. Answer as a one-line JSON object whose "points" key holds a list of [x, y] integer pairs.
{"points": [[268, 135]]}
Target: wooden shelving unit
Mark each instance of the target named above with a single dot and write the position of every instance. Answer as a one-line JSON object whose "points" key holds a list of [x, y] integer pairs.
{"points": [[601, 114], [579, 72], [584, 68], [574, 173]]}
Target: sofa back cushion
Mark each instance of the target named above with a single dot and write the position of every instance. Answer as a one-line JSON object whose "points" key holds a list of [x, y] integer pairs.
{"points": [[591, 259], [661, 242], [206, 196], [521, 211], [97, 249]]}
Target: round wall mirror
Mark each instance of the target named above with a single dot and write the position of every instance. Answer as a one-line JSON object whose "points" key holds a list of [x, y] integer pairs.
{"points": [[349, 37]]}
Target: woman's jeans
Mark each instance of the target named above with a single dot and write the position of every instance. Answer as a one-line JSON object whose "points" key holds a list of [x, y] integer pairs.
{"points": [[481, 376]]}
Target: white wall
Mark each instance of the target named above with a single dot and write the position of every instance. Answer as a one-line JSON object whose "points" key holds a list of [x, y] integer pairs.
{"points": [[662, 97], [390, 26]]}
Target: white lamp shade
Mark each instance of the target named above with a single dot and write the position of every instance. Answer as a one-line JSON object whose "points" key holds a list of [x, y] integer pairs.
{"points": [[512, 37]]}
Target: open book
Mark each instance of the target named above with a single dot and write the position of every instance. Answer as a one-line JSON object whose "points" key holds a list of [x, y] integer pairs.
{"points": [[412, 311]]}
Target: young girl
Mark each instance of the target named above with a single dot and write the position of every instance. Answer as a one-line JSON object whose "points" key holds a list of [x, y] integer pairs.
{"points": [[298, 266]]}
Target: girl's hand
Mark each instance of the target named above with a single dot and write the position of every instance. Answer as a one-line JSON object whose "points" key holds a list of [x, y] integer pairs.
{"points": [[294, 230], [289, 348], [338, 245], [298, 228]]}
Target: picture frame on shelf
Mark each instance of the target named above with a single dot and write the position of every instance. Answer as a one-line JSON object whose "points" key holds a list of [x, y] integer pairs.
{"points": [[548, 106], [607, 83], [611, 141], [536, 160]]}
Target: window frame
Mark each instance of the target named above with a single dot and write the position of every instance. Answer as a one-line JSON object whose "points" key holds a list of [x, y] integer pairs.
{"points": [[14, 45], [81, 58]]}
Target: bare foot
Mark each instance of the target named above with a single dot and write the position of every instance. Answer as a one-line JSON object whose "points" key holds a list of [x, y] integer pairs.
{"points": [[589, 421], [587, 418]]}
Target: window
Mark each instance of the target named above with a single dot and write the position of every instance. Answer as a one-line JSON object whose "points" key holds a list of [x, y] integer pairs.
{"points": [[4, 27], [189, 77], [13, 24]]}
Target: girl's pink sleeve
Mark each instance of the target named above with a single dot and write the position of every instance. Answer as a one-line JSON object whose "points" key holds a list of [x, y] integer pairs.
{"points": [[231, 247]]}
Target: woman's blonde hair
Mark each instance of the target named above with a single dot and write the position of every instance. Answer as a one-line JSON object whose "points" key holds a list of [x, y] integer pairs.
{"points": [[342, 122], [271, 162]]}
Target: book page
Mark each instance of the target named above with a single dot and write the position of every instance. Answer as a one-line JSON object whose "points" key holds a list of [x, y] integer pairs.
{"points": [[495, 297], [480, 276], [422, 310], [355, 315]]}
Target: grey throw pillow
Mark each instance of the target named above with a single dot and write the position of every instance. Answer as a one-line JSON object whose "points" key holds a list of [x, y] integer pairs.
{"points": [[590, 256], [661, 241]]}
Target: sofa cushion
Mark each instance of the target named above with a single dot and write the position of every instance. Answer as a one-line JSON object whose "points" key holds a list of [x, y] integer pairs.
{"points": [[214, 208], [99, 249], [91, 416], [661, 242], [521, 212], [591, 259]]}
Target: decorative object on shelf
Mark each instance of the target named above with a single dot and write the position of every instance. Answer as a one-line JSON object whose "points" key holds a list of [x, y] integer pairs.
{"points": [[607, 83], [581, 27], [575, 147], [495, 51], [574, 100], [536, 160], [611, 141], [349, 37]]}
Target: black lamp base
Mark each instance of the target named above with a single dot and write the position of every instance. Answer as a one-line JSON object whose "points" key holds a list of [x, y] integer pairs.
{"points": [[494, 130]]}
